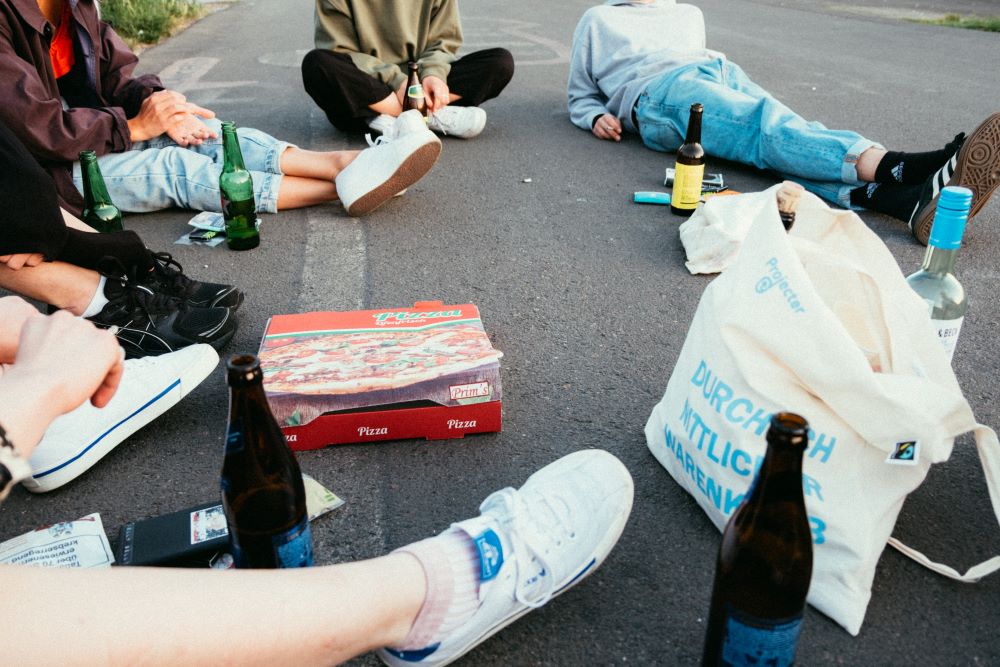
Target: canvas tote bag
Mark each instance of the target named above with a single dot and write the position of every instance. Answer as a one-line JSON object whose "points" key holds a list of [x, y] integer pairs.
{"points": [[818, 321]]}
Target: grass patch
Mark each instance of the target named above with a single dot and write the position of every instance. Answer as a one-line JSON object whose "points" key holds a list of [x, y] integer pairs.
{"points": [[988, 23], [148, 21]]}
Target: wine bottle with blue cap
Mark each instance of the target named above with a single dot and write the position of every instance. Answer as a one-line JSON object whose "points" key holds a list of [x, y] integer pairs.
{"points": [[935, 282]]}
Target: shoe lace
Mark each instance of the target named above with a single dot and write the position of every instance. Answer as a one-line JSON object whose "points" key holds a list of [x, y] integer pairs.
{"points": [[170, 271], [533, 534], [381, 140], [150, 303]]}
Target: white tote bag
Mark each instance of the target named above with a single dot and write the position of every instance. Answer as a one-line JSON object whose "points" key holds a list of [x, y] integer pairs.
{"points": [[821, 322]]}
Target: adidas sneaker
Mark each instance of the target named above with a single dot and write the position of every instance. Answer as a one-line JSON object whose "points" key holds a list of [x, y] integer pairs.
{"points": [[461, 122], [976, 166], [535, 543]]}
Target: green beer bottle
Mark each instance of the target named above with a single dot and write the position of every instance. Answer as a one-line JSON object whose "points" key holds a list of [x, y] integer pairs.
{"points": [[236, 190], [99, 212]]}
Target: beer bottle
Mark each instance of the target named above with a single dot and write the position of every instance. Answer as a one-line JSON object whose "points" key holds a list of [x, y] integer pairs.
{"points": [[765, 561], [262, 491], [414, 92], [689, 168], [935, 282], [788, 199], [236, 190], [99, 212]]}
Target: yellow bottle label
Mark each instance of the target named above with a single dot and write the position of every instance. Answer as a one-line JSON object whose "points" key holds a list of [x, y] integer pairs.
{"points": [[687, 186], [415, 91]]}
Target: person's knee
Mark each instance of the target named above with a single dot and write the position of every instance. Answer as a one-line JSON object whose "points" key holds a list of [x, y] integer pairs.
{"points": [[503, 66], [317, 68]]}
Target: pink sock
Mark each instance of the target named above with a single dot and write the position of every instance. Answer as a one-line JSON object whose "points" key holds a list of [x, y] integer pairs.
{"points": [[451, 565]]}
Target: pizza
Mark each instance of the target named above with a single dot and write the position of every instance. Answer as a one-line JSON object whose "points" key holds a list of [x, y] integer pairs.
{"points": [[354, 362]]}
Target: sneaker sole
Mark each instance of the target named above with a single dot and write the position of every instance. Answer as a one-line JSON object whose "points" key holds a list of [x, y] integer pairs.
{"points": [[413, 168], [601, 551], [977, 168], [98, 448]]}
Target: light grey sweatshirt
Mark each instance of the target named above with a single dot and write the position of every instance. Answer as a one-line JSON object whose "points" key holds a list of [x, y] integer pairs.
{"points": [[621, 47]]}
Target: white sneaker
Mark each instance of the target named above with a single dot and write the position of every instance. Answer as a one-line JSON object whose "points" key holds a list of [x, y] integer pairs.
{"points": [[535, 543], [382, 123], [462, 122], [390, 165], [149, 387]]}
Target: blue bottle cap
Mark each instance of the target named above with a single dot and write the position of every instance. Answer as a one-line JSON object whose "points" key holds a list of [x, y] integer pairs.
{"points": [[949, 218]]}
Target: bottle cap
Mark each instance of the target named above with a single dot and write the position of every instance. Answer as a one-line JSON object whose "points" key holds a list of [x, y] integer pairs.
{"points": [[949, 218]]}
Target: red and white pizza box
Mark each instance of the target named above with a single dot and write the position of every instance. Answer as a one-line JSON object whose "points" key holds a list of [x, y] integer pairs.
{"points": [[359, 376]]}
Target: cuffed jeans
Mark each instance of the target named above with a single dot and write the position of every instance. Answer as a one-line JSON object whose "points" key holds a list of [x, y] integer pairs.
{"points": [[158, 174], [744, 123]]}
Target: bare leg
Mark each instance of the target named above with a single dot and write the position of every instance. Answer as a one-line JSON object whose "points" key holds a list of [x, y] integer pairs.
{"points": [[868, 162], [123, 616], [391, 106], [298, 192], [74, 222], [57, 283], [313, 164]]}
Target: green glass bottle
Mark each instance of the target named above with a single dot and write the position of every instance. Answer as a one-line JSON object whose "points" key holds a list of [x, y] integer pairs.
{"points": [[935, 282], [99, 212], [236, 190]]}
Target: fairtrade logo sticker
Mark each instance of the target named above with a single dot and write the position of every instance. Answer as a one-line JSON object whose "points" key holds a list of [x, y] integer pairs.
{"points": [[905, 453]]}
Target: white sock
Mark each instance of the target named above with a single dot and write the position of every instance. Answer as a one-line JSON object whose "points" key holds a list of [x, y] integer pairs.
{"points": [[99, 301], [451, 566]]}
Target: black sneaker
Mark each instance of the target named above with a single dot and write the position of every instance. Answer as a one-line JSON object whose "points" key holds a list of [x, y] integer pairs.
{"points": [[167, 277], [148, 324], [976, 166]]}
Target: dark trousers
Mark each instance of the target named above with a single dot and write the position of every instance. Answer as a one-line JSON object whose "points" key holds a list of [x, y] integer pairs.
{"points": [[344, 92], [34, 224]]}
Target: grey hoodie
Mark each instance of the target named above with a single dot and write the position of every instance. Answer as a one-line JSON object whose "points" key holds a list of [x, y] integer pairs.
{"points": [[620, 47]]}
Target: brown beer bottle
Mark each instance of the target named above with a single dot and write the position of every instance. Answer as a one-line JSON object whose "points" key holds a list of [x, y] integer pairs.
{"points": [[689, 168], [414, 92], [765, 561], [262, 491]]}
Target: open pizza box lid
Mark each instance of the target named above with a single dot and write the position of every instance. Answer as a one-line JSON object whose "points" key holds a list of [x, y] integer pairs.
{"points": [[329, 364]]}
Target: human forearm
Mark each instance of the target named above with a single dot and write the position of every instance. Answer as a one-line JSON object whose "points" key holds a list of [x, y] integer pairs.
{"points": [[26, 409]]}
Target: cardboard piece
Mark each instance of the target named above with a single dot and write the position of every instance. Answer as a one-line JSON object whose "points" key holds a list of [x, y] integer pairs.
{"points": [[338, 377]]}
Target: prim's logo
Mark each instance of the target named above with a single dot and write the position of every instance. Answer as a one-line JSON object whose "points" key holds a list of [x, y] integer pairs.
{"points": [[775, 277], [457, 423], [292, 438], [905, 453], [368, 430], [474, 390]]}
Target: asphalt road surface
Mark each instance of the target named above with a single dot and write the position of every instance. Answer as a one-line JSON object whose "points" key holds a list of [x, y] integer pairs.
{"points": [[587, 296]]}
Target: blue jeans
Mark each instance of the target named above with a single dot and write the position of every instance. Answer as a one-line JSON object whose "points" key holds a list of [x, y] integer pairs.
{"points": [[744, 123], [158, 174]]}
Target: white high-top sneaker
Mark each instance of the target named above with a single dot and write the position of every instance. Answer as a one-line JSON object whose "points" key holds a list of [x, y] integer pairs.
{"points": [[390, 165]]}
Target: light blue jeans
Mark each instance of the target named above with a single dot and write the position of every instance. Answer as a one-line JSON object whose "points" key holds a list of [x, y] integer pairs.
{"points": [[744, 123], [158, 174]]}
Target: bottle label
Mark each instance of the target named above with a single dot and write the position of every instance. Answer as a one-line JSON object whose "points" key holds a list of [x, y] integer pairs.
{"points": [[294, 548], [947, 331], [754, 641], [415, 91], [687, 186]]}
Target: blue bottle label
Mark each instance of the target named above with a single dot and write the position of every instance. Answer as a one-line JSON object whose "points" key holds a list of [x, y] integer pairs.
{"points": [[755, 641], [294, 548]]}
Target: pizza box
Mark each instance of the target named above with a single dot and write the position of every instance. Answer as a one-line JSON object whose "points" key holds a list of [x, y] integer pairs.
{"points": [[360, 376]]}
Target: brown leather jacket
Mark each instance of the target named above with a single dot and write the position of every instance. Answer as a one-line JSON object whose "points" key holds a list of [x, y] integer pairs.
{"points": [[32, 108]]}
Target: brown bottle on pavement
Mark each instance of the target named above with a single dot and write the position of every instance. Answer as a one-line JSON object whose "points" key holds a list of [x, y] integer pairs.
{"points": [[414, 92], [765, 561]]}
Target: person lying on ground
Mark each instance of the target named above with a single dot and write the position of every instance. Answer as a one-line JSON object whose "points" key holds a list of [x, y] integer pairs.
{"points": [[49, 255], [358, 72], [71, 436], [638, 65], [431, 601], [68, 84]]}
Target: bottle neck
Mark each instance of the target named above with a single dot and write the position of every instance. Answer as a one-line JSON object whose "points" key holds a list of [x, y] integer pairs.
{"points": [[232, 155], [95, 192], [694, 129], [780, 474], [939, 260]]}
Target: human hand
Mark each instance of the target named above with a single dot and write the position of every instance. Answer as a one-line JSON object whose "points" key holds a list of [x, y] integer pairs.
{"points": [[607, 127], [436, 93], [18, 261], [14, 312], [189, 130], [69, 360], [166, 110]]}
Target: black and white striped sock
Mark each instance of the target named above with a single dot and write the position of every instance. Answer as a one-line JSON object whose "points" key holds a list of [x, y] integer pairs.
{"points": [[889, 198], [914, 168]]}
